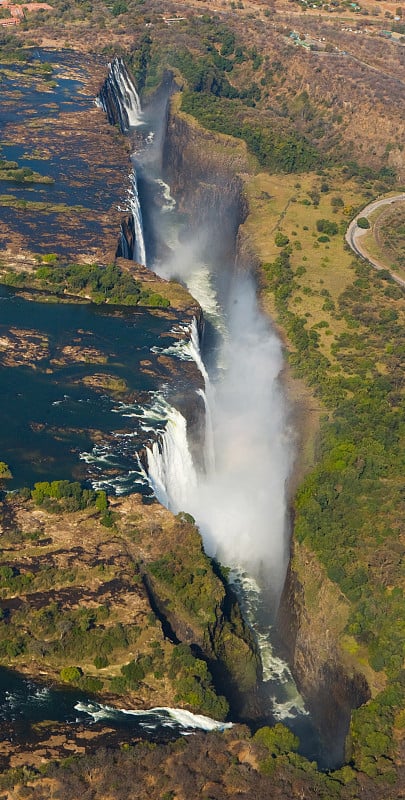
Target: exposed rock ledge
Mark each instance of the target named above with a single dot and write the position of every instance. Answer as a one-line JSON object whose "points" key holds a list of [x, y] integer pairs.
{"points": [[131, 590]]}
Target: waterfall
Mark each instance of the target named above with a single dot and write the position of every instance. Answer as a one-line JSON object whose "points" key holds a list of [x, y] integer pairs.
{"points": [[119, 98], [139, 251], [120, 101], [170, 466], [209, 442], [193, 350], [124, 249], [239, 501]]}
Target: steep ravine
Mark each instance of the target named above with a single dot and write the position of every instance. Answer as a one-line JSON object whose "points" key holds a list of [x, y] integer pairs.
{"points": [[309, 632]]}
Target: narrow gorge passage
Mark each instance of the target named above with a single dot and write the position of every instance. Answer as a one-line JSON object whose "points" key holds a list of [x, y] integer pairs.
{"points": [[236, 487]]}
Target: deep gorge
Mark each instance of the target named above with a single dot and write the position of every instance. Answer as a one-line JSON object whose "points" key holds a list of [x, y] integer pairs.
{"points": [[203, 178], [210, 198]]}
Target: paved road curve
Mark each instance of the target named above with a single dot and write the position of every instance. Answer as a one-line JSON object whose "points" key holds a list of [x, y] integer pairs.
{"points": [[354, 234]]}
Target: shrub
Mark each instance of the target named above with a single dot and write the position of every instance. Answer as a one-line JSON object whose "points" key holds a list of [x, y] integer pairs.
{"points": [[90, 684], [100, 662], [278, 739], [5, 473], [70, 674], [280, 239], [133, 674], [326, 226], [363, 222]]}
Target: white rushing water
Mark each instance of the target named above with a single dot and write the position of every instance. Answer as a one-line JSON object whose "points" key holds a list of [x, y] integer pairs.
{"points": [[152, 718], [126, 96], [239, 502], [122, 94], [139, 253], [238, 497]]}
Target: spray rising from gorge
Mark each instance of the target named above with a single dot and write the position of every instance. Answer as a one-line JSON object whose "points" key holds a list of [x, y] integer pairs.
{"points": [[238, 497], [234, 479], [237, 491]]}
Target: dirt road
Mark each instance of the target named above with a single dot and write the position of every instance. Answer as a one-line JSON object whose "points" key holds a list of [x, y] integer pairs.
{"points": [[354, 234]]}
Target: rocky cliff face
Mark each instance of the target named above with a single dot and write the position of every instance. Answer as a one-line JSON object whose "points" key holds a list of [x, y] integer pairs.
{"points": [[311, 619], [202, 170], [142, 584]]}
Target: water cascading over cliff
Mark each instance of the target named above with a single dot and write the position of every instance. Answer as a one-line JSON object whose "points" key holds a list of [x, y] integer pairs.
{"points": [[237, 490], [120, 100], [239, 498], [138, 248], [235, 482]]}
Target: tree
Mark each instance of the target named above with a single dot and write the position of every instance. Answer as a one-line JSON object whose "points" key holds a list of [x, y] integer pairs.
{"points": [[280, 239], [70, 674], [5, 472], [326, 226], [363, 222], [119, 7], [278, 739]]}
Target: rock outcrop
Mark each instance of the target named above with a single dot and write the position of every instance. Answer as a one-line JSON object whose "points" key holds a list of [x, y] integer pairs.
{"points": [[311, 619]]}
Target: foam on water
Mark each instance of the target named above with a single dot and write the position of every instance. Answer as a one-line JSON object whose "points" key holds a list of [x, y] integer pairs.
{"points": [[155, 717], [169, 202]]}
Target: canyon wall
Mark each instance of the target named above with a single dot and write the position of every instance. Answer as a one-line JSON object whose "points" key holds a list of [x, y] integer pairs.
{"points": [[203, 170], [206, 174], [311, 620]]}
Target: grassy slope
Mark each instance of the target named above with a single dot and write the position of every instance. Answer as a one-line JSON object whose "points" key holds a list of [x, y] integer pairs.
{"points": [[348, 540]]}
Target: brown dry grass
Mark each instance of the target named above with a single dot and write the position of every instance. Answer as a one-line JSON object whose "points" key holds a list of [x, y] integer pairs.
{"points": [[276, 204]]}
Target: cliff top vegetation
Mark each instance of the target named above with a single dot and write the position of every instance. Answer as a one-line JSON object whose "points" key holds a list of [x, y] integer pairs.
{"points": [[324, 113]]}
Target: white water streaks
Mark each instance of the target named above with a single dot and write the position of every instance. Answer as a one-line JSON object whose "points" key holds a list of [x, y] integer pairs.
{"points": [[170, 466], [240, 502], [114, 466], [168, 202], [139, 250], [128, 102], [153, 718], [185, 266], [286, 701]]}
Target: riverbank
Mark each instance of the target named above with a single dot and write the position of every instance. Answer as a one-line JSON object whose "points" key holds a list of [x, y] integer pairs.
{"points": [[117, 617]]}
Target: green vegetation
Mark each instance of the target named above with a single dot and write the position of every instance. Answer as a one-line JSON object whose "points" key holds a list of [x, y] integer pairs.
{"points": [[220, 95], [193, 683], [281, 240], [186, 580], [325, 226], [5, 472], [66, 496], [139, 61], [346, 507], [100, 284], [10, 171], [70, 674], [363, 223], [10, 201], [277, 151]]}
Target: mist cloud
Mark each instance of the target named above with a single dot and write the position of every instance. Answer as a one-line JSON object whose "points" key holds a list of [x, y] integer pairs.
{"points": [[239, 503]]}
